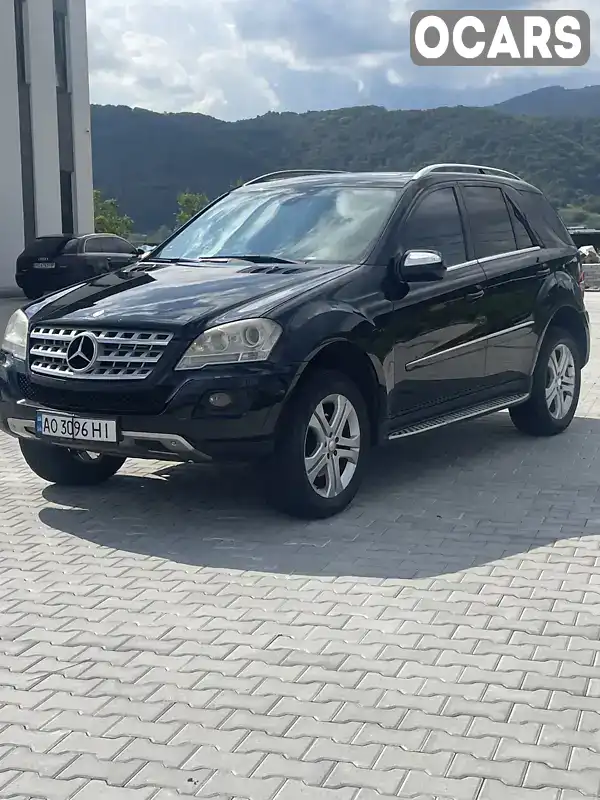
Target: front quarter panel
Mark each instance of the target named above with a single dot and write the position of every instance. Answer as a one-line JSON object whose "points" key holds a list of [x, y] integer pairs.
{"points": [[353, 309], [310, 331], [318, 324]]}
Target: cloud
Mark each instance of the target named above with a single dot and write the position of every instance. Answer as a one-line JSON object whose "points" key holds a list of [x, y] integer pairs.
{"points": [[241, 58]]}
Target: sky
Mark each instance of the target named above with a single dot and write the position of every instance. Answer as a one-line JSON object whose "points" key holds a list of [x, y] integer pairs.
{"points": [[235, 59]]}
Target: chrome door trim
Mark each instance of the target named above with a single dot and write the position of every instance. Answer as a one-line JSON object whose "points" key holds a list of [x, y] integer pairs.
{"points": [[485, 259], [419, 362]]}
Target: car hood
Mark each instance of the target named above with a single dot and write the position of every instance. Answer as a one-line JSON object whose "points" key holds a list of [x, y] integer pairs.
{"points": [[177, 295]]}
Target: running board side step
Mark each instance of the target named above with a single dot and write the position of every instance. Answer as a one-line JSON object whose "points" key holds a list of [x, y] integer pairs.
{"points": [[480, 410]]}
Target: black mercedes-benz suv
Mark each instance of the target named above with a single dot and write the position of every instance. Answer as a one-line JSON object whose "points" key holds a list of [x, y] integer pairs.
{"points": [[300, 320]]}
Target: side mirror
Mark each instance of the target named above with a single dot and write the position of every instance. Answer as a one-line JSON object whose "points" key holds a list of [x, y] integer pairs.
{"points": [[140, 251], [421, 265]]}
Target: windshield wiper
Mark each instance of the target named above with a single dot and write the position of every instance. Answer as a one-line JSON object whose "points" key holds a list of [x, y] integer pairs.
{"points": [[170, 261], [260, 259], [252, 259]]}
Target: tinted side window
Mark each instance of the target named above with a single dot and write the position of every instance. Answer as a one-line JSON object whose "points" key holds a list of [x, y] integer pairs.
{"points": [[547, 222], [522, 233], [435, 224], [491, 228], [119, 245], [95, 245], [111, 245]]}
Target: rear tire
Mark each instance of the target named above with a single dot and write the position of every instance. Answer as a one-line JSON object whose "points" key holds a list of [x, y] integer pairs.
{"points": [[321, 448], [68, 467], [555, 388]]}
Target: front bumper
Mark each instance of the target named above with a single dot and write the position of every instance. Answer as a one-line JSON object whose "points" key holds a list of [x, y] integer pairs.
{"points": [[132, 444], [186, 428]]}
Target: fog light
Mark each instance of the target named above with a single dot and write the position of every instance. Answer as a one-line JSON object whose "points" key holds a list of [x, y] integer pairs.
{"points": [[220, 400]]}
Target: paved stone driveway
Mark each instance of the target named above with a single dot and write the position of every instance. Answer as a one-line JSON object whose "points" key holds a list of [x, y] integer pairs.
{"points": [[166, 636]]}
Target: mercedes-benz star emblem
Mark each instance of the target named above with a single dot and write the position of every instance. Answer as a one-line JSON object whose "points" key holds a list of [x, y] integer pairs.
{"points": [[82, 352]]}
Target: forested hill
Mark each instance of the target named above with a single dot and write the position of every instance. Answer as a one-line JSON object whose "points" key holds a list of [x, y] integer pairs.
{"points": [[555, 101], [144, 159]]}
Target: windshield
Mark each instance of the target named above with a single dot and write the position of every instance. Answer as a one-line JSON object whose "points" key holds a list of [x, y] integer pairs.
{"points": [[326, 223]]}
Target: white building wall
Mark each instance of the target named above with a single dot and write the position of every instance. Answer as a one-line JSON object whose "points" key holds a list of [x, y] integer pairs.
{"points": [[83, 195], [44, 117], [11, 194], [41, 76]]}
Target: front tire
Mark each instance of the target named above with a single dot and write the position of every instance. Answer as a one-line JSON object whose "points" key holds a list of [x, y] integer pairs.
{"points": [[555, 388], [68, 467], [321, 448]]}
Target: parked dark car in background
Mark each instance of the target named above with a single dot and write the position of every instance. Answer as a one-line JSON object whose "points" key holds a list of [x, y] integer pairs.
{"points": [[585, 237], [55, 262]]}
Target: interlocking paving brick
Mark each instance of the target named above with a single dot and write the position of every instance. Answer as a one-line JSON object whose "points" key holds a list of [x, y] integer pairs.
{"points": [[167, 636]]}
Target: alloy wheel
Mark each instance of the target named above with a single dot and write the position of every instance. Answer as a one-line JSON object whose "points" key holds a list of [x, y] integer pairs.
{"points": [[332, 445], [560, 381]]}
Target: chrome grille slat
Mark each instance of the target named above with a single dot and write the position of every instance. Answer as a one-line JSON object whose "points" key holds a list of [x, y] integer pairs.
{"points": [[46, 351], [122, 355]]}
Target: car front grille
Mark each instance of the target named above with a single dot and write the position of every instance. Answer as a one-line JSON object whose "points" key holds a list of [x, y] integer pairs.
{"points": [[148, 402], [117, 354]]}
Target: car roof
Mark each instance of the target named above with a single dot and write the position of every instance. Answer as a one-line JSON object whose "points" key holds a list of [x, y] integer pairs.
{"points": [[70, 236], [95, 235], [394, 180]]}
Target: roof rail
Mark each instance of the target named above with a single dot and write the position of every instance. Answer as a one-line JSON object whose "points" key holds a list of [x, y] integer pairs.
{"points": [[481, 170], [291, 172]]}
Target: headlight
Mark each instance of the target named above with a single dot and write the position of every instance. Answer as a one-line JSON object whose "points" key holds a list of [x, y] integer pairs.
{"points": [[15, 335], [246, 341]]}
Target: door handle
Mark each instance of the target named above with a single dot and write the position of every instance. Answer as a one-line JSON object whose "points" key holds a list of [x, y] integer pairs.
{"points": [[475, 295]]}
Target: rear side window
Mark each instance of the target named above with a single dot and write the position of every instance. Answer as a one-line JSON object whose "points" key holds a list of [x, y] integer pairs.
{"points": [[491, 226], [521, 227], [545, 220], [119, 245], [435, 224], [97, 244]]}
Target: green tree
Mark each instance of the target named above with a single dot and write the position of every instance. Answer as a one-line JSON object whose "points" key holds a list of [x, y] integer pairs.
{"points": [[107, 218], [188, 205]]}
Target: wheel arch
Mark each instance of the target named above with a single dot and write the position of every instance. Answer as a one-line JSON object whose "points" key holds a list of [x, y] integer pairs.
{"points": [[568, 318], [351, 360]]}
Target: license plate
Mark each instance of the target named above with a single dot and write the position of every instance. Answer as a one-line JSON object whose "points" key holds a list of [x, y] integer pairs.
{"points": [[78, 429], [44, 265]]}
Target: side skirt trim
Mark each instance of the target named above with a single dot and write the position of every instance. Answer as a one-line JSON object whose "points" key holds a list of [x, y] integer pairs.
{"points": [[480, 410]]}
